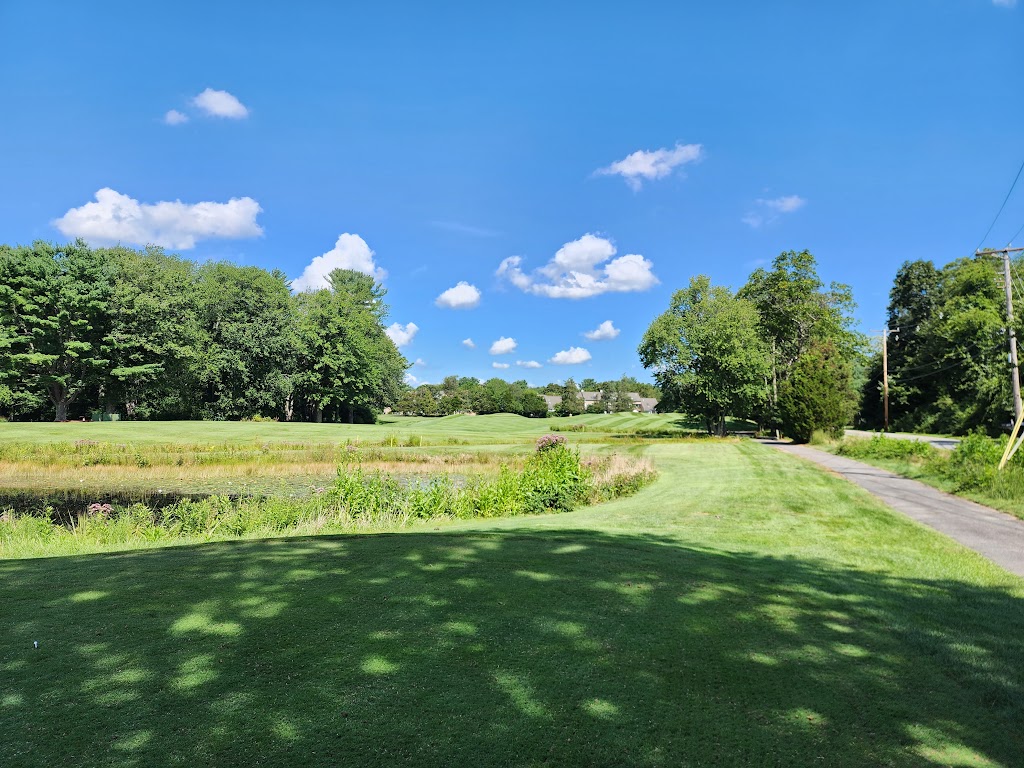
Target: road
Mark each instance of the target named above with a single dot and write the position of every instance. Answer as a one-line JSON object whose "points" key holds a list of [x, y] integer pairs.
{"points": [[996, 535]]}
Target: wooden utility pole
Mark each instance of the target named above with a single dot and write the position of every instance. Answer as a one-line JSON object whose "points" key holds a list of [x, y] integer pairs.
{"points": [[885, 375], [1011, 334]]}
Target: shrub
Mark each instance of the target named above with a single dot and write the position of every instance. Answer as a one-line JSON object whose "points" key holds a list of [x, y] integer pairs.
{"points": [[550, 442], [817, 394], [882, 447]]}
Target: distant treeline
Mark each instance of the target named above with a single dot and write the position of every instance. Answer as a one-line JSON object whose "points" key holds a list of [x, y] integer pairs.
{"points": [[469, 395], [149, 335], [948, 364]]}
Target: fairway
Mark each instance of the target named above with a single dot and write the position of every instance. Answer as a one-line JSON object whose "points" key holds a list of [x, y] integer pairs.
{"points": [[476, 429], [745, 609]]}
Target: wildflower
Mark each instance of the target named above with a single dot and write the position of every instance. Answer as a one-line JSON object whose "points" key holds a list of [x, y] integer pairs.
{"points": [[550, 442]]}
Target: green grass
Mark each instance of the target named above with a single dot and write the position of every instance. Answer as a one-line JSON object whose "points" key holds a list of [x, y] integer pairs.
{"points": [[969, 470], [746, 609], [482, 429]]}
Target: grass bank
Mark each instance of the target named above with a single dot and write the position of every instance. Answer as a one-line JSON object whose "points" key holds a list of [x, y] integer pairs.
{"points": [[746, 609]]}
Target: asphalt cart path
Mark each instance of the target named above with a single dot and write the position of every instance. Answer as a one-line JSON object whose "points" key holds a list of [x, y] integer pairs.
{"points": [[996, 535]]}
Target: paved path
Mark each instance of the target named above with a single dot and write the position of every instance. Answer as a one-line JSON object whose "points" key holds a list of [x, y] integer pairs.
{"points": [[996, 535], [946, 443]]}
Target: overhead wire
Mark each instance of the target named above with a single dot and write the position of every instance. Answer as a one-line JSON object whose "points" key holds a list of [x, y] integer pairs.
{"points": [[1001, 207], [957, 364]]}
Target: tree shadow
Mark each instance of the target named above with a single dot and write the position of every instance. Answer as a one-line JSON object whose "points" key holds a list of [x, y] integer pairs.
{"points": [[506, 648]]}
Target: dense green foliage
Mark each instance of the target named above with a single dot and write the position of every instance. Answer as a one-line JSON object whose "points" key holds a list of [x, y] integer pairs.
{"points": [[707, 355], [817, 393], [469, 395], [715, 353], [149, 335], [798, 314], [948, 368]]}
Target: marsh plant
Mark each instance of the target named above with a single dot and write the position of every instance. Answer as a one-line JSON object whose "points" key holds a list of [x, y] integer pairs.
{"points": [[553, 478]]}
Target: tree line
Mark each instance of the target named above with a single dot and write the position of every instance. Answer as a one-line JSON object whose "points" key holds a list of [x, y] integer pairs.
{"points": [[781, 351], [947, 353], [153, 336], [470, 395]]}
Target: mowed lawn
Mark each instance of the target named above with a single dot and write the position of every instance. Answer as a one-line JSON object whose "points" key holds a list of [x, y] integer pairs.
{"points": [[746, 609], [494, 428]]}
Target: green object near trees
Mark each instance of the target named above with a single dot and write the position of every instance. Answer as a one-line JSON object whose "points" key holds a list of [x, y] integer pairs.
{"points": [[55, 317], [817, 394], [707, 354]]}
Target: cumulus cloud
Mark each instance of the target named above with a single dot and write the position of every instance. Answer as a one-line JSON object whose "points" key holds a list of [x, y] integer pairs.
{"points": [[349, 252], [420, 362], [460, 296], [410, 379], [581, 269], [402, 334], [528, 364], [503, 346], [767, 211], [174, 117], [468, 343], [603, 332], [500, 366], [116, 218], [646, 165], [571, 356], [220, 104]]}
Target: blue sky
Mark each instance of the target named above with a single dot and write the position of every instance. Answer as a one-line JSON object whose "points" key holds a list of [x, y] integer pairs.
{"points": [[449, 138]]}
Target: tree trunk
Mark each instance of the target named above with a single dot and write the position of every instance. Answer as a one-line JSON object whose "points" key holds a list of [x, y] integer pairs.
{"points": [[351, 415], [775, 391], [318, 414], [289, 408], [60, 399]]}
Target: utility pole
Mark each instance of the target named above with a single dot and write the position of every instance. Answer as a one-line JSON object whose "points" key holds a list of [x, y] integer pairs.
{"points": [[885, 375], [1011, 334]]}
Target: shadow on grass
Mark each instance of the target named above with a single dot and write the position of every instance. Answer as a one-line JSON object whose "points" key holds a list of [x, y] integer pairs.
{"points": [[509, 648]]}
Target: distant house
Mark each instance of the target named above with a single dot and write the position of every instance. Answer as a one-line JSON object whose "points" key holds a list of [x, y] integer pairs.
{"points": [[640, 404]]}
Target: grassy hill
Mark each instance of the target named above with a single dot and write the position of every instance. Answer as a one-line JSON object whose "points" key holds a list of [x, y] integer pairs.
{"points": [[745, 609]]}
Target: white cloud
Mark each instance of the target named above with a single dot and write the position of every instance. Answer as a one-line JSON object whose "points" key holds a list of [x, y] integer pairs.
{"points": [[768, 211], [500, 366], [420, 362], [647, 165], [503, 346], [581, 269], [220, 104], [571, 356], [1005, 3], [401, 334], [603, 332], [465, 229], [786, 204], [468, 343], [174, 117], [528, 364], [460, 296], [116, 218], [410, 379], [349, 252]]}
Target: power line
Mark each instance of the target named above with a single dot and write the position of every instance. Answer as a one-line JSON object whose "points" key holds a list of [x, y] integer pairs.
{"points": [[1015, 236], [1001, 207], [950, 367]]}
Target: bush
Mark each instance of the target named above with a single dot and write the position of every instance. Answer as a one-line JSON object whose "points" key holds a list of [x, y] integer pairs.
{"points": [[882, 447], [817, 394]]}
